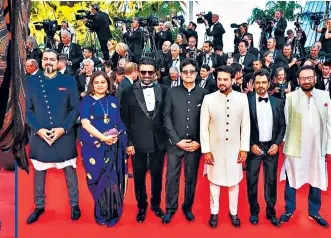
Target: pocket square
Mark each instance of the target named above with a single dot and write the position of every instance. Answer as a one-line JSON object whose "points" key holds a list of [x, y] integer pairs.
{"points": [[62, 89]]}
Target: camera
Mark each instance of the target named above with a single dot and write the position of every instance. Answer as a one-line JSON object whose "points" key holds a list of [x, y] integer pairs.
{"points": [[151, 21], [236, 26], [202, 16], [180, 20], [50, 27], [265, 23], [84, 14], [316, 17]]}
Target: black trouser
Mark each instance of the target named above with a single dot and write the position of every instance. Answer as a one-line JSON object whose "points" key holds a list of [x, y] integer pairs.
{"points": [[39, 186], [141, 163], [104, 49], [191, 166], [270, 164]]}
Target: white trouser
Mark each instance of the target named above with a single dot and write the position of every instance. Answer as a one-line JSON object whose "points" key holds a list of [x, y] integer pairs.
{"points": [[233, 198]]}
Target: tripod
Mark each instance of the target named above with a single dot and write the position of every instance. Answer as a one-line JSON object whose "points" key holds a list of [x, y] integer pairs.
{"points": [[263, 40], [50, 43], [149, 43], [91, 40], [297, 48]]}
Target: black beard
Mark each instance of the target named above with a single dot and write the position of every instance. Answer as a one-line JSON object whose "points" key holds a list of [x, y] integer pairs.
{"points": [[307, 89], [147, 82]]}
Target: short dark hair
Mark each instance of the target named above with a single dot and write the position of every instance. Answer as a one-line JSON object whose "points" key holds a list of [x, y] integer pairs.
{"points": [[245, 42], [209, 43], [147, 61], [51, 51], [63, 57], [280, 10], [226, 69], [218, 47], [89, 48], [261, 72], [96, 7], [327, 63], [119, 70], [186, 62], [193, 24], [236, 68], [107, 64], [287, 45], [306, 67], [257, 59], [205, 66]]}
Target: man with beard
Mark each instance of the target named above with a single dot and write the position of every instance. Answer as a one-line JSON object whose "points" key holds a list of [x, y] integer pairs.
{"points": [[161, 57], [307, 144], [181, 119], [51, 111], [267, 132], [224, 136], [141, 109], [192, 51], [278, 28]]}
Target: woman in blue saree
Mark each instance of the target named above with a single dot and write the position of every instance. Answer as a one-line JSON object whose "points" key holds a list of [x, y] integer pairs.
{"points": [[103, 140]]}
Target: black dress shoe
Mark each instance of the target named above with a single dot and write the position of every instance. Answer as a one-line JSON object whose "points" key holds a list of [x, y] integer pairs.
{"points": [[254, 219], [141, 216], [167, 218], [35, 215], [158, 211], [189, 215], [319, 220], [285, 217], [213, 220], [235, 220], [274, 221], [75, 213]]}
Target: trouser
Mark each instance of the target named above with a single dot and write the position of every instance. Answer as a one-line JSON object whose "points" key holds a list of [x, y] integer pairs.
{"points": [[39, 186], [191, 166], [141, 163], [270, 164], [104, 48], [314, 199], [233, 198]]}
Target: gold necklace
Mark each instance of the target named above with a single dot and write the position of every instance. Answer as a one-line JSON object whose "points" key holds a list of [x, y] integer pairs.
{"points": [[105, 115]]}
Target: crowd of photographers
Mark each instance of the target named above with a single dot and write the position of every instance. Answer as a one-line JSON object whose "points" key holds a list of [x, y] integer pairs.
{"points": [[281, 55]]}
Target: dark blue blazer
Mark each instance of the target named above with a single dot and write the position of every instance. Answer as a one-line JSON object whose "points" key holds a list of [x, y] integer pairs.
{"points": [[52, 103]]}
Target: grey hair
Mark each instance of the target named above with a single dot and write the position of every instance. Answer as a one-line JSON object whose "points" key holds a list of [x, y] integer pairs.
{"points": [[122, 46], [33, 62], [168, 25], [67, 33], [173, 69], [174, 47], [88, 61], [33, 41], [315, 46]]}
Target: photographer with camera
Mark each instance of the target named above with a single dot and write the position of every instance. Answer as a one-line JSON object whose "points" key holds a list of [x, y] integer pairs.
{"points": [[211, 58], [251, 48], [298, 42], [215, 30], [190, 31], [163, 35], [240, 34], [99, 23], [244, 58], [192, 51], [278, 28], [134, 39], [325, 36]]}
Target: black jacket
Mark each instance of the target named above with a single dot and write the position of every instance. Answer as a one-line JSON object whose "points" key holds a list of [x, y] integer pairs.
{"points": [[35, 54], [75, 55], [123, 84], [320, 84], [161, 37], [135, 41], [143, 130], [210, 85], [100, 25], [279, 125], [279, 33], [167, 81], [248, 61], [188, 33], [217, 34]]}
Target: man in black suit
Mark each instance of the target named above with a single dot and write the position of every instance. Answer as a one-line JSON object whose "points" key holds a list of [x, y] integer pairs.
{"points": [[211, 58], [163, 35], [162, 56], [32, 50], [131, 75], [298, 42], [190, 31], [62, 66], [216, 30], [193, 52], [173, 79], [142, 107], [323, 82], [100, 24], [267, 132], [71, 50], [175, 60], [84, 76], [88, 54], [251, 48], [182, 123], [206, 80], [278, 28], [244, 58], [134, 39]]}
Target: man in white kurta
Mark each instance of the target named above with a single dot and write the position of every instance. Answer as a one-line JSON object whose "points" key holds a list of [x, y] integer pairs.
{"points": [[224, 137], [307, 144]]}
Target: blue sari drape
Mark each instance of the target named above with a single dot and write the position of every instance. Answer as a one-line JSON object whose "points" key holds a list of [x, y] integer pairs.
{"points": [[105, 165]]}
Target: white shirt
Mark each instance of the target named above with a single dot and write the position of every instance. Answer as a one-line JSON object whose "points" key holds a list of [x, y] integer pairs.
{"points": [[87, 82], [208, 60], [35, 72], [62, 70], [264, 119], [176, 63], [203, 82], [326, 82], [175, 83], [149, 96], [66, 49]]}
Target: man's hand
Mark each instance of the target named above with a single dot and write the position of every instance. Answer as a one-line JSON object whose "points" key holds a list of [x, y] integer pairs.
{"points": [[56, 133], [327, 158], [184, 144], [242, 156], [206, 22], [209, 159], [130, 150], [193, 146], [273, 149], [212, 70], [256, 150], [83, 94], [69, 62], [45, 135]]}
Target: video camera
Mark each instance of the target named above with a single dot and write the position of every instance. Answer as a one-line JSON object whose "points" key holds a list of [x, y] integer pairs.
{"points": [[84, 14], [316, 17], [50, 27], [202, 16], [179, 18], [236, 26], [265, 23], [151, 21]]}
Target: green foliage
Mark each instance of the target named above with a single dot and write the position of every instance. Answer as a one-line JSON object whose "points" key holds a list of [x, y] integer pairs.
{"points": [[66, 10], [289, 8]]}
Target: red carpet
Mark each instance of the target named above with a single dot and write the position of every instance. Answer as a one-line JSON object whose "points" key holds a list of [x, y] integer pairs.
{"points": [[56, 221], [7, 204]]}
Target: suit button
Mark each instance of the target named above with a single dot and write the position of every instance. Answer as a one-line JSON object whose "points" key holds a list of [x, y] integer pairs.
{"points": [[188, 118], [227, 123], [50, 118], [46, 101], [186, 134], [51, 123], [189, 94], [188, 102], [228, 100], [227, 129], [226, 139], [49, 112], [188, 110], [227, 108], [228, 115], [186, 126]]}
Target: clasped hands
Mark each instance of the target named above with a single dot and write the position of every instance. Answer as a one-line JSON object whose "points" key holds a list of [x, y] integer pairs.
{"points": [[257, 150], [110, 140], [50, 136], [188, 145], [209, 159]]}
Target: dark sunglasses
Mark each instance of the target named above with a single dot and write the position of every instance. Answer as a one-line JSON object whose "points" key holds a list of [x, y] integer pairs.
{"points": [[144, 72], [185, 72]]}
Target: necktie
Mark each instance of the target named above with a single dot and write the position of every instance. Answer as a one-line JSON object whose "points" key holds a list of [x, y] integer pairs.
{"points": [[263, 99], [147, 86], [174, 83]]}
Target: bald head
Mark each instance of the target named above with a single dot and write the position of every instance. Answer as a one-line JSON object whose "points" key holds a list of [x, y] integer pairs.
{"points": [[166, 46], [31, 66]]}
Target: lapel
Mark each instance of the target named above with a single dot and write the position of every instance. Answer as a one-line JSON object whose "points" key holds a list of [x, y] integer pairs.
{"points": [[158, 96], [138, 92], [253, 101], [273, 109]]}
